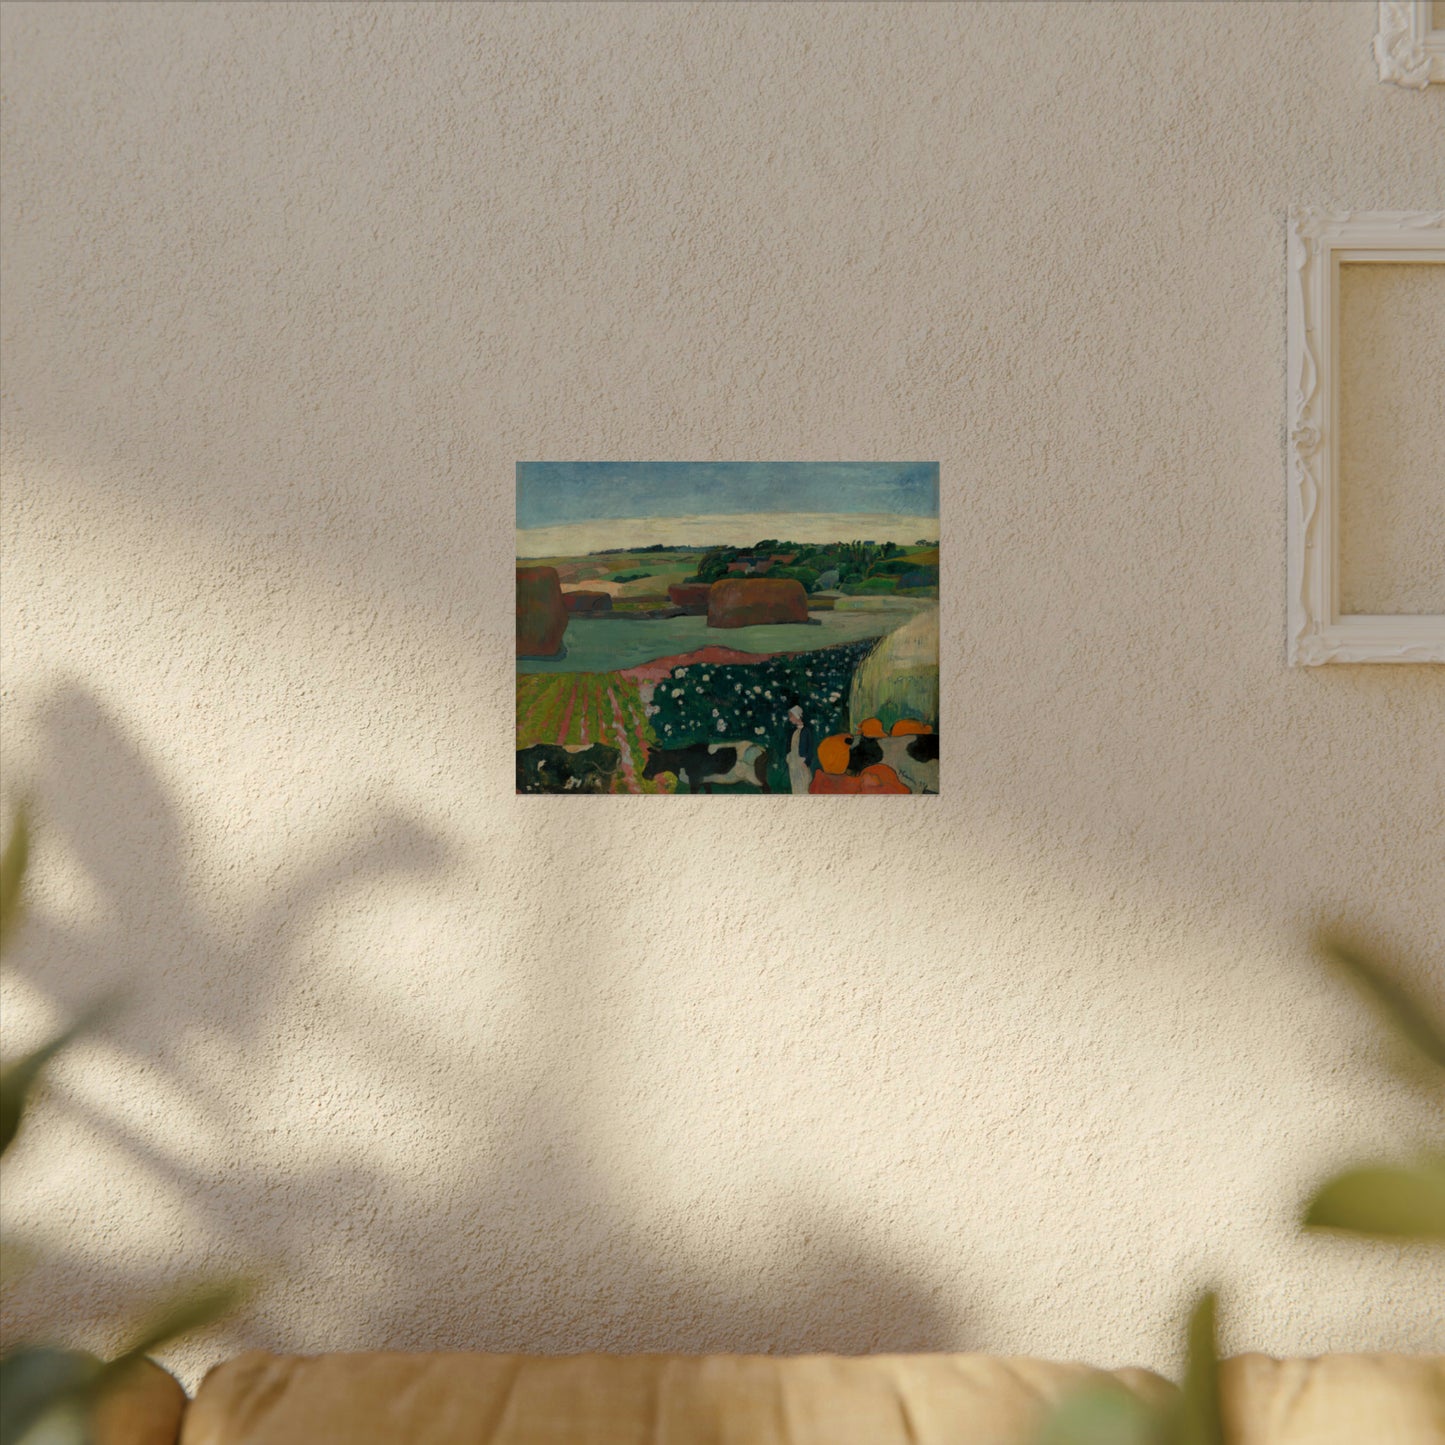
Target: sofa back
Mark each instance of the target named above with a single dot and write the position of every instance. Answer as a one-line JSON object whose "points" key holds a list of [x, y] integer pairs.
{"points": [[480, 1399], [474, 1399]]}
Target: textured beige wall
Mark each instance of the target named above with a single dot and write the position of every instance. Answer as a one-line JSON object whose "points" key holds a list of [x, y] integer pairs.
{"points": [[1392, 438], [288, 289]]}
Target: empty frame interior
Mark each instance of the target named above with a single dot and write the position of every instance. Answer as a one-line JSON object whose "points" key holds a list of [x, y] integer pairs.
{"points": [[1391, 438]]}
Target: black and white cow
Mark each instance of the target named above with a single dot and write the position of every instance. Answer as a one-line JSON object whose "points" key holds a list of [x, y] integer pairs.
{"points": [[552, 768], [706, 765], [914, 757]]}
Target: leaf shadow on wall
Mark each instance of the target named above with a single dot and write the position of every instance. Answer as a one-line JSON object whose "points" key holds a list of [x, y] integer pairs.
{"points": [[532, 1247]]}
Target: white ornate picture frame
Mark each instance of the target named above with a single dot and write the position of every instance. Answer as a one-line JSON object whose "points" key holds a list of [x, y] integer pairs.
{"points": [[1320, 241], [1410, 43]]}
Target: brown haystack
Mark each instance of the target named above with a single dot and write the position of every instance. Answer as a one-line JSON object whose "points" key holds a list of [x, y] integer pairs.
{"points": [[690, 596], [541, 613], [753, 601]]}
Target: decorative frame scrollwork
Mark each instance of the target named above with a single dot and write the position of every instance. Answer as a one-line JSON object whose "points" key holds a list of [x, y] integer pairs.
{"points": [[1409, 47], [1319, 242]]}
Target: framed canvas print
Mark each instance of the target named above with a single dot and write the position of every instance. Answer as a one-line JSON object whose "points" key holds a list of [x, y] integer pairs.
{"points": [[727, 627], [1366, 441], [1410, 42]]}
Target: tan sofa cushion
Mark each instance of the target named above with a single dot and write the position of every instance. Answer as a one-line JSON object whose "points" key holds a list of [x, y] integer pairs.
{"points": [[143, 1407], [1335, 1400], [474, 1399], [449, 1399]]}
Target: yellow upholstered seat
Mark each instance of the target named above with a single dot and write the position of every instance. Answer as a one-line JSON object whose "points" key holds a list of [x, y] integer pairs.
{"points": [[474, 1399], [1335, 1400]]}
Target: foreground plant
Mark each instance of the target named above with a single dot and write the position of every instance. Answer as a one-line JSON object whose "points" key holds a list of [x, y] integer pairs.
{"points": [[1387, 1200], [48, 1395], [1391, 1201], [1105, 1413]]}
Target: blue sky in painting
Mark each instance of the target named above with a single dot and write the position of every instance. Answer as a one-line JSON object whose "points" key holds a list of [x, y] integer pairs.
{"points": [[556, 493]]}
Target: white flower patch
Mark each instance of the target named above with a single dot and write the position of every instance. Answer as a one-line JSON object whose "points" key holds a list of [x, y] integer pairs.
{"points": [[677, 692], [759, 731], [722, 725], [715, 712]]}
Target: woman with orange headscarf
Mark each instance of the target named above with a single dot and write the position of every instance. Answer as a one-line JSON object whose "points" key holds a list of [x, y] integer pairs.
{"points": [[845, 767]]}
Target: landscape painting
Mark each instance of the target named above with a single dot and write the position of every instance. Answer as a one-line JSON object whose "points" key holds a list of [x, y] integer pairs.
{"points": [[727, 627]]}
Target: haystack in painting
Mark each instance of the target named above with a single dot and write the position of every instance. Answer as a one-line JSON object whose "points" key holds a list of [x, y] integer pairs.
{"points": [[756, 601], [898, 681]]}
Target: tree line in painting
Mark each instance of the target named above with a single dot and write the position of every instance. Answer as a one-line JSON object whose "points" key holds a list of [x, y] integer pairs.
{"points": [[851, 567]]}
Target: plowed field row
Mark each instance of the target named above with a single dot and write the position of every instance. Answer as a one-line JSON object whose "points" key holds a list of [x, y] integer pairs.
{"points": [[577, 709]]}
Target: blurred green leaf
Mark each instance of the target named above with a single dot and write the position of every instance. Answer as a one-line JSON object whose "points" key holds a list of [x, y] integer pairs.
{"points": [[1102, 1413], [12, 872], [15, 1260], [39, 1383], [69, 1423], [1407, 1017], [47, 1395], [195, 1307], [1197, 1417], [1390, 1201], [19, 1078]]}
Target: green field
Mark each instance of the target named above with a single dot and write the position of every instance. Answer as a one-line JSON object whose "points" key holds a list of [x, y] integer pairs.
{"points": [[609, 646], [660, 568]]}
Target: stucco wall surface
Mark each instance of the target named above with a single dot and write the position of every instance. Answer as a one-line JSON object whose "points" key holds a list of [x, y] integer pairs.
{"points": [[1392, 438], [287, 291]]}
